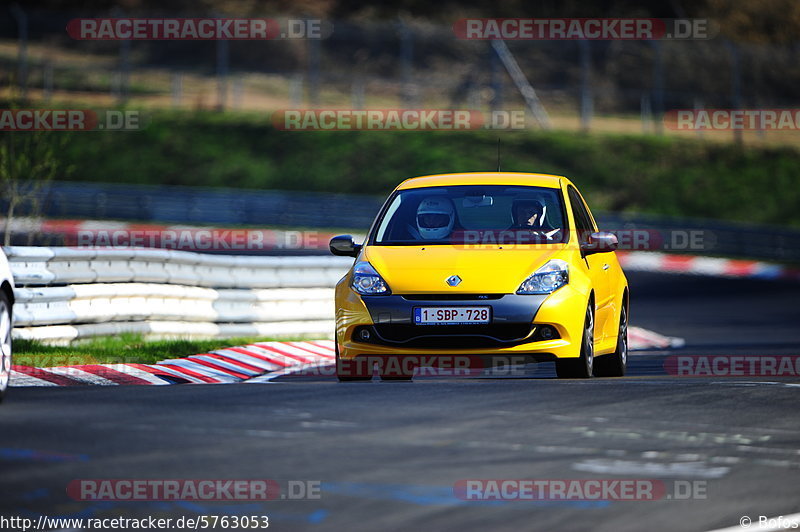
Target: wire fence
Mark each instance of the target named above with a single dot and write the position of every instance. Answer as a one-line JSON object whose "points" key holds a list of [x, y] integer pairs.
{"points": [[399, 64]]}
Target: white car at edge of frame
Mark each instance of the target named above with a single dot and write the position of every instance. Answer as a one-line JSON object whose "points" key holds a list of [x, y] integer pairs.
{"points": [[6, 305]]}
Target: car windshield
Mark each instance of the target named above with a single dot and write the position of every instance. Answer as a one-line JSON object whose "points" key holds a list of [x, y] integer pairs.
{"points": [[472, 214]]}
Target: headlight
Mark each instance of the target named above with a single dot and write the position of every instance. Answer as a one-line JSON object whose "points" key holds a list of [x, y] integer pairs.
{"points": [[546, 279], [367, 282]]}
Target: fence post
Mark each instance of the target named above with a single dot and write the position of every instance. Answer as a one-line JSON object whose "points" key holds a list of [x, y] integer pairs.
{"points": [[313, 48], [222, 74], [496, 80], [124, 71], [177, 89], [406, 63], [47, 80], [296, 91], [22, 58], [238, 92], [698, 106], [646, 113], [658, 87], [474, 99], [736, 85], [357, 92], [587, 107]]}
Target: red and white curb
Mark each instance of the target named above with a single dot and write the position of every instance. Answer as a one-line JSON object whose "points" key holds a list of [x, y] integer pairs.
{"points": [[649, 261], [233, 364], [639, 339]]}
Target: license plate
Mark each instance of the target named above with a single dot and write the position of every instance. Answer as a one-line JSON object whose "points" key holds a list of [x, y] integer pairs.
{"points": [[452, 315]]}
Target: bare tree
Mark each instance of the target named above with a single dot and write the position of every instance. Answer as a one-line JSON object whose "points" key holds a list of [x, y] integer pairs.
{"points": [[28, 162]]}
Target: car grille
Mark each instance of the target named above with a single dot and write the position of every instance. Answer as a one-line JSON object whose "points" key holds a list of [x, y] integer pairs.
{"points": [[452, 297], [451, 336]]}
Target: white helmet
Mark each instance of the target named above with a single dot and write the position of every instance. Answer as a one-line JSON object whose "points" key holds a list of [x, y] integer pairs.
{"points": [[435, 218]]}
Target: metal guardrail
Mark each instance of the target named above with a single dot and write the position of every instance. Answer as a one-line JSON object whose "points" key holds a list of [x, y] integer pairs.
{"points": [[64, 294], [714, 237], [235, 207], [206, 205]]}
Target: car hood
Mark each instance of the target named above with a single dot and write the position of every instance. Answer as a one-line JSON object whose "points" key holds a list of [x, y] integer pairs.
{"points": [[425, 269]]}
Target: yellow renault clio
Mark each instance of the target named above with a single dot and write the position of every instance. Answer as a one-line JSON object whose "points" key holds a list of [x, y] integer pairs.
{"points": [[482, 267]]}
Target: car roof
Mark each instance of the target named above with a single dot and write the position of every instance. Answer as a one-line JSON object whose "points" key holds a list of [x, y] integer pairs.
{"points": [[485, 178]]}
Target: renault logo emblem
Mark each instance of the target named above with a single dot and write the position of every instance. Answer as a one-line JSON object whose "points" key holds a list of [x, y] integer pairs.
{"points": [[453, 280]]}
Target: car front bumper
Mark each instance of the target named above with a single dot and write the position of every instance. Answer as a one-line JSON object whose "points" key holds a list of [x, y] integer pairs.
{"points": [[516, 324]]}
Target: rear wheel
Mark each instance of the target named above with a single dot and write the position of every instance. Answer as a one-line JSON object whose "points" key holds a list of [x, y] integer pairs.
{"points": [[5, 343], [581, 367], [614, 365]]}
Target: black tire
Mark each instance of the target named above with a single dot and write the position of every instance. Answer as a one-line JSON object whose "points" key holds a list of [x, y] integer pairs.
{"points": [[5, 343], [344, 371], [615, 364], [581, 367], [397, 377]]}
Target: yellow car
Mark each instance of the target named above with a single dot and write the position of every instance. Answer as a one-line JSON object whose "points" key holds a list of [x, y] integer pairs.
{"points": [[464, 270]]}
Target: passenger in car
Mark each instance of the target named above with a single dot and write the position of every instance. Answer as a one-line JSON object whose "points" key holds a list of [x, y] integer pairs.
{"points": [[531, 215]]}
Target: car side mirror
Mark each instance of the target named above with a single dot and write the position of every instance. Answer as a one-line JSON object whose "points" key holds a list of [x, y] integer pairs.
{"points": [[600, 242], [344, 246]]}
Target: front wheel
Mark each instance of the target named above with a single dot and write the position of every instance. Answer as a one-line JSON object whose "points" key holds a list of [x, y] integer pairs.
{"points": [[350, 370], [5, 343], [614, 365], [581, 367]]}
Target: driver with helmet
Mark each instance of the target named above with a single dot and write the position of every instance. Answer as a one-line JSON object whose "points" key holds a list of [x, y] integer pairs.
{"points": [[435, 218]]}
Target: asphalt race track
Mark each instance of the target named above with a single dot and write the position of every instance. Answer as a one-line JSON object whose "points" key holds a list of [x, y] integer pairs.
{"points": [[388, 454]]}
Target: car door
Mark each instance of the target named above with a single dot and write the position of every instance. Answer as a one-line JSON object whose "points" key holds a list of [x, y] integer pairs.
{"points": [[597, 265]]}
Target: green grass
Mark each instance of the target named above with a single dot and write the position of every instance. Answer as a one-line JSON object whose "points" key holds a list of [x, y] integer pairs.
{"points": [[118, 349], [634, 173]]}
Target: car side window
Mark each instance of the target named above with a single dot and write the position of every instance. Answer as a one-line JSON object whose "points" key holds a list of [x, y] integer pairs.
{"points": [[583, 222]]}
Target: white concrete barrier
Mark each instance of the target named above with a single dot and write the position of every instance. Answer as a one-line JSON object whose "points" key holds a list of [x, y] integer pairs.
{"points": [[39, 266], [95, 303], [64, 294]]}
